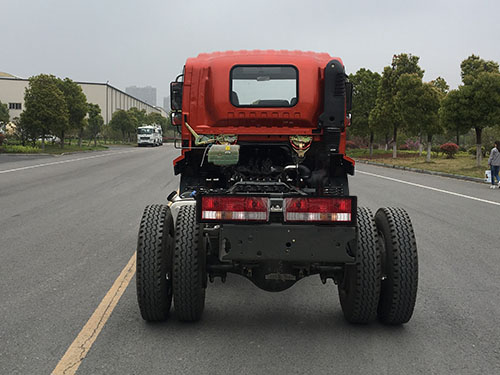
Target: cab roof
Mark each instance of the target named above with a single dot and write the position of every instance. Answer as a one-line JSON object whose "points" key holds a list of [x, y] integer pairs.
{"points": [[261, 57]]}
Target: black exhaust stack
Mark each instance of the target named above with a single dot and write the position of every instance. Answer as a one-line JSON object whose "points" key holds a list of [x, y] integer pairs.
{"points": [[332, 119]]}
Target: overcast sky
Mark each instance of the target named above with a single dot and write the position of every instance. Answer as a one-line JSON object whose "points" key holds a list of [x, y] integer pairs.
{"points": [[147, 42]]}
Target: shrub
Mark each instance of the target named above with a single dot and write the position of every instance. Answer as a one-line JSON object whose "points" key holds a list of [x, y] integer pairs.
{"points": [[2, 138], [20, 149], [472, 151], [411, 145], [350, 145], [404, 146], [450, 149]]}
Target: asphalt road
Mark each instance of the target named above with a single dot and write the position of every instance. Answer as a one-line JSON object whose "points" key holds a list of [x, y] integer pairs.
{"points": [[68, 228]]}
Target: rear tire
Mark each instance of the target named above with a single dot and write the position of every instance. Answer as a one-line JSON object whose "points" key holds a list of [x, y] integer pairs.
{"points": [[189, 272], [400, 266], [360, 288], [154, 263]]}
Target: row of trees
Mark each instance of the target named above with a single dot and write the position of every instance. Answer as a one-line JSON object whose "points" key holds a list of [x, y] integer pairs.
{"points": [[126, 122], [384, 105], [54, 106]]}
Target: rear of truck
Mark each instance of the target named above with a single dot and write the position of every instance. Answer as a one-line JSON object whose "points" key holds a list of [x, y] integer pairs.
{"points": [[264, 187]]}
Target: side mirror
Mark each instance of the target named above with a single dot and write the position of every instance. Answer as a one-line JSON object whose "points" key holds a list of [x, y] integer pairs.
{"points": [[348, 96], [176, 119], [176, 96]]}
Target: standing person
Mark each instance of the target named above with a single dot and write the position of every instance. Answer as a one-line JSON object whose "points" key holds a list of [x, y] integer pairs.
{"points": [[494, 163]]}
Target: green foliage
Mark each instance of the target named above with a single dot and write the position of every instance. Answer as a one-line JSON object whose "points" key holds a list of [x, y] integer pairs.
{"points": [[45, 107], [440, 84], [418, 103], [76, 102], [4, 113], [476, 103], [473, 150], [137, 116], [366, 84], [386, 116], [156, 118], [454, 112], [473, 65], [123, 122], [95, 121], [18, 149]]}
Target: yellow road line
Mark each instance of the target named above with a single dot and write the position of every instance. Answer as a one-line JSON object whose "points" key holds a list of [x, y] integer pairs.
{"points": [[78, 350]]}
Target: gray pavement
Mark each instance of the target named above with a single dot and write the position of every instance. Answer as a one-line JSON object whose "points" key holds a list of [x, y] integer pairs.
{"points": [[67, 230]]}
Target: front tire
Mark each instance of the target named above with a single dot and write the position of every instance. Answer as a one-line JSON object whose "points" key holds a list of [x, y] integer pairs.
{"points": [[400, 266], [154, 263], [189, 272], [360, 288]]}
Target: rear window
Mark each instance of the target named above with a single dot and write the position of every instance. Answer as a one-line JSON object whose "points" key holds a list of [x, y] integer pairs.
{"points": [[264, 86]]}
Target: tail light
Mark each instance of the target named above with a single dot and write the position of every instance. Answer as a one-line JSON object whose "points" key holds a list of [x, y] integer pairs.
{"points": [[234, 208], [324, 210]]}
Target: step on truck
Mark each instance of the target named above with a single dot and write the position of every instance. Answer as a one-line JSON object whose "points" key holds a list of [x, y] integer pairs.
{"points": [[264, 192]]}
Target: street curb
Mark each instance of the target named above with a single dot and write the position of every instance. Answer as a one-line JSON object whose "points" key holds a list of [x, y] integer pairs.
{"points": [[424, 171]]}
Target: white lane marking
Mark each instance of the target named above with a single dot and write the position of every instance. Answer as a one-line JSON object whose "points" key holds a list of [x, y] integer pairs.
{"points": [[64, 161], [431, 188]]}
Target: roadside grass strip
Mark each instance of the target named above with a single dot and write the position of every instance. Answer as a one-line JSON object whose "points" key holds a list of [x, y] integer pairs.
{"points": [[64, 161], [76, 353], [430, 188]]}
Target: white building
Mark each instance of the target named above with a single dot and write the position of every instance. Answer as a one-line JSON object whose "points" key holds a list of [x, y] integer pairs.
{"points": [[108, 98]]}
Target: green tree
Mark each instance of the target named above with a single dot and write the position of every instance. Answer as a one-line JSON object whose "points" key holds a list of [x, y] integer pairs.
{"points": [[95, 121], [123, 122], [158, 119], [472, 66], [476, 103], [139, 117], [440, 84], [76, 102], [419, 103], [4, 113], [45, 108], [454, 114], [386, 114], [366, 84]]}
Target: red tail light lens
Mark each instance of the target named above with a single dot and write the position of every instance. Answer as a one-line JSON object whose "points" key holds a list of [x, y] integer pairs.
{"points": [[234, 208], [327, 210]]}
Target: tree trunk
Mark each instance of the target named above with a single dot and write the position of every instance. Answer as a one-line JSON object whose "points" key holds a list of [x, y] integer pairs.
{"points": [[395, 144], [458, 138], [420, 145], [62, 139], [479, 154], [43, 142], [371, 143], [386, 142], [429, 146], [95, 141], [80, 136]]}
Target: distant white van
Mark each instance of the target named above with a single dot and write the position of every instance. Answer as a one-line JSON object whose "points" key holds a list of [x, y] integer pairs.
{"points": [[149, 135]]}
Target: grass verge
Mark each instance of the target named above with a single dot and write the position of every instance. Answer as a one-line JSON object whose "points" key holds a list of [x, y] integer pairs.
{"points": [[49, 149], [463, 164]]}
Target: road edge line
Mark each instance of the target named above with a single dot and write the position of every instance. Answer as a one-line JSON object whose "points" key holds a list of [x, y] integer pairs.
{"points": [[79, 348], [431, 188]]}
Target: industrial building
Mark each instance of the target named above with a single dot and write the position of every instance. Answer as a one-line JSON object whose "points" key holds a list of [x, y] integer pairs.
{"points": [[148, 93], [108, 98]]}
